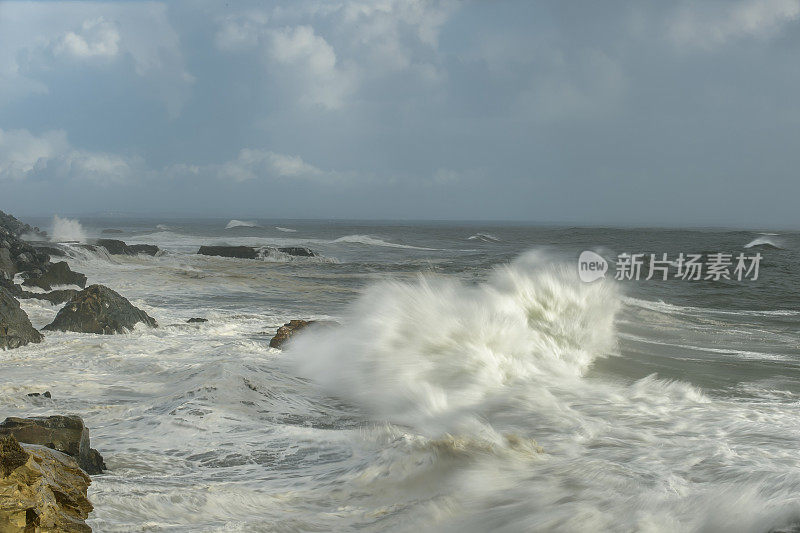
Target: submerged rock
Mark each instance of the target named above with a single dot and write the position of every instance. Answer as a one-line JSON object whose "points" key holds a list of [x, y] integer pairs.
{"points": [[67, 434], [287, 330], [56, 274], [241, 252], [298, 251], [15, 327], [196, 320], [249, 252], [147, 249], [41, 490], [98, 309]]}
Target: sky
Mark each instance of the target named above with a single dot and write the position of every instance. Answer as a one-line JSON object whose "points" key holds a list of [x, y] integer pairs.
{"points": [[643, 112]]}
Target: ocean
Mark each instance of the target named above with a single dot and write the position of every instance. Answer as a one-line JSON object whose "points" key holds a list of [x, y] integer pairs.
{"points": [[473, 383]]}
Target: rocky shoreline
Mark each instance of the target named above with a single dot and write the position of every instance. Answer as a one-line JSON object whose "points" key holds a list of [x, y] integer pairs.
{"points": [[45, 462]]}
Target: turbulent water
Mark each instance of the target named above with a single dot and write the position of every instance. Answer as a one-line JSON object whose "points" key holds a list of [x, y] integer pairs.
{"points": [[473, 383]]}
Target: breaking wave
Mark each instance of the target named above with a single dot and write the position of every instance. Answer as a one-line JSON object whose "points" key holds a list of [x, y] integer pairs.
{"points": [[483, 237], [285, 230], [434, 353], [372, 241], [67, 230], [242, 224], [765, 241]]}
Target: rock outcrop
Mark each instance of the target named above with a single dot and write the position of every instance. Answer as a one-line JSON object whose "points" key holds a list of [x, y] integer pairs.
{"points": [[287, 330], [117, 247], [147, 249], [41, 490], [249, 252], [241, 252], [19, 256], [114, 246], [66, 434], [98, 309], [15, 327], [55, 274]]}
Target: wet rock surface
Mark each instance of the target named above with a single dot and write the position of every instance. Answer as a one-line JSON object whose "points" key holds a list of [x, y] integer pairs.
{"points": [[41, 490], [15, 327], [98, 309], [66, 434]]}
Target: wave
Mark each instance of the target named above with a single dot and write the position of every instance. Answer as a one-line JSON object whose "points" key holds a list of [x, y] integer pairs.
{"points": [[242, 224], [430, 354], [372, 241], [285, 230], [484, 237], [765, 242], [164, 227], [67, 230]]}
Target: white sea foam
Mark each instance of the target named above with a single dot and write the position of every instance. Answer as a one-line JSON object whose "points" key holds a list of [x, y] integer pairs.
{"points": [[67, 230], [766, 242], [285, 230], [374, 241], [484, 237], [427, 353], [242, 224]]}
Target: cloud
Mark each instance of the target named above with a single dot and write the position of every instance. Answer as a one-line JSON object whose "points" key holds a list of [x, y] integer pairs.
{"points": [[36, 38], [96, 38], [242, 31], [25, 156], [707, 25], [253, 164], [311, 61]]}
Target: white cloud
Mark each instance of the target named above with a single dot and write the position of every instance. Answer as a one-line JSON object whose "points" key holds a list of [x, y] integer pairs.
{"points": [[241, 32], [311, 60], [37, 37], [96, 38], [257, 163], [24, 155], [706, 25]]}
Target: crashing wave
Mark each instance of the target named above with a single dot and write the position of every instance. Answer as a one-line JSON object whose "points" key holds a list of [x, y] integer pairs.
{"points": [[242, 224], [372, 241], [433, 353], [765, 241], [285, 230], [483, 237], [67, 230]]}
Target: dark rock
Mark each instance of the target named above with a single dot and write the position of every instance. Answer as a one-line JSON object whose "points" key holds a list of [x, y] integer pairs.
{"points": [[114, 246], [287, 330], [45, 394], [147, 249], [56, 274], [54, 297], [15, 327], [109, 231], [299, 251], [7, 267], [52, 251], [249, 252], [196, 320], [12, 456], [67, 434], [241, 252], [15, 227], [98, 309]]}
